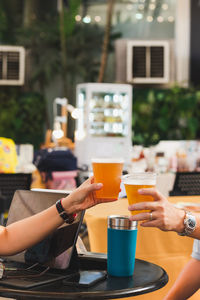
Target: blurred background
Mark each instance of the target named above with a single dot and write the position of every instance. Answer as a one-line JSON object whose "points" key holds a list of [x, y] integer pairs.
{"points": [[64, 43], [99, 78], [119, 78]]}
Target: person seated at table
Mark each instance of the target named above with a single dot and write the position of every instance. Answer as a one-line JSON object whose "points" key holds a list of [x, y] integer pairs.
{"points": [[165, 216], [27, 232]]}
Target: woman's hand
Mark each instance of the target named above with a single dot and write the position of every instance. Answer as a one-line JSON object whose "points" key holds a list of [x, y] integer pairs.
{"points": [[84, 197], [162, 215]]}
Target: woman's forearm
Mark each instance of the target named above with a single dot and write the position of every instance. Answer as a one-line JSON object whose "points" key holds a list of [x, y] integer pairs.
{"points": [[27, 232]]}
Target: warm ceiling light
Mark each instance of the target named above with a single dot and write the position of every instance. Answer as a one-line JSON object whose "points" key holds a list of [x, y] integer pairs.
{"points": [[141, 6], [170, 19], [160, 19], [152, 6], [149, 19], [78, 18], [129, 7], [165, 6], [97, 19]]}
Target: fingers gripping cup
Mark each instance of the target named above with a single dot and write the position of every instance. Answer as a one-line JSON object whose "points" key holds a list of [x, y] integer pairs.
{"points": [[135, 181], [122, 238], [108, 171]]}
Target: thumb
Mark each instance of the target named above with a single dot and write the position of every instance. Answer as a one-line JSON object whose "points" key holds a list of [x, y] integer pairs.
{"points": [[95, 187]]}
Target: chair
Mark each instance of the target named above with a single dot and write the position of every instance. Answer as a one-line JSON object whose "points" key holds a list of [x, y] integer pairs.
{"points": [[10, 182]]}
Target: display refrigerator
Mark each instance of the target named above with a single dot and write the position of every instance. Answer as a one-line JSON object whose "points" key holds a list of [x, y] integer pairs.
{"points": [[103, 128]]}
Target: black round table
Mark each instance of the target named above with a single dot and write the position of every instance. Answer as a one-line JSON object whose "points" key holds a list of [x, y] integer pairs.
{"points": [[147, 278]]}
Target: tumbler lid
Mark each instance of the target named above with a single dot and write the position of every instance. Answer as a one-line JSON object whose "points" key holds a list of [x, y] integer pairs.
{"points": [[121, 222]]}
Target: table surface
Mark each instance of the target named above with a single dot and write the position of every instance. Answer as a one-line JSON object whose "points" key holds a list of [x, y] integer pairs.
{"points": [[166, 249], [147, 277]]}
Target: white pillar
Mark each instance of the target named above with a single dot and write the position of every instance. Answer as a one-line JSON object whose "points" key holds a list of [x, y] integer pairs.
{"points": [[182, 41]]}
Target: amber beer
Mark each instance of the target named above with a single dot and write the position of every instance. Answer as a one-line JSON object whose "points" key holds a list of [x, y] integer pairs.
{"points": [[108, 171], [135, 181]]}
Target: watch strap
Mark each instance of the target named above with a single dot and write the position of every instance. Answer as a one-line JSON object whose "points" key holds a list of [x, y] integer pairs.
{"points": [[67, 218], [189, 224]]}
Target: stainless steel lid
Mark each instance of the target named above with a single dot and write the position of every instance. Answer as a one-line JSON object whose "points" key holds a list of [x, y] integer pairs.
{"points": [[121, 222]]}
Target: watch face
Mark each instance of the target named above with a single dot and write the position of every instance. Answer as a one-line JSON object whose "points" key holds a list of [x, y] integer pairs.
{"points": [[191, 223]]}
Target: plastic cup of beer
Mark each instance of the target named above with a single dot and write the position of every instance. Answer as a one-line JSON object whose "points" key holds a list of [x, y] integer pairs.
{"points": [[135, 181], [108, 171]]}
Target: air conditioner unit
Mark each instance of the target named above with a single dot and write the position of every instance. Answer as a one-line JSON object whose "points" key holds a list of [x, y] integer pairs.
{"points": [[148, 62], [12, 65]]}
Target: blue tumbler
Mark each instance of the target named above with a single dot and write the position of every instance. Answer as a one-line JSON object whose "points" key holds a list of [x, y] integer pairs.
{"points": [[122, 238]]}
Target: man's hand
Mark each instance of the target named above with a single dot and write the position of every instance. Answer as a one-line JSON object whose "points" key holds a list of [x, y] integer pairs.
{"points": [[162, 215]]}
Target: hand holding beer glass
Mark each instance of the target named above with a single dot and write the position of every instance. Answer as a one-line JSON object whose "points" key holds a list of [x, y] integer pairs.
{"points": [[135, 181], [108, 171]]}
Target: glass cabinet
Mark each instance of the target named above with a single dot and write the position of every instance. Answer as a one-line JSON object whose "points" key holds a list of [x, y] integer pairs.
{"points": [[104, 124]]}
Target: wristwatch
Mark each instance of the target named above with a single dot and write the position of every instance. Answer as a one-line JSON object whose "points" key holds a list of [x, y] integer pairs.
{"points": [[67, 218], [189, 224]]}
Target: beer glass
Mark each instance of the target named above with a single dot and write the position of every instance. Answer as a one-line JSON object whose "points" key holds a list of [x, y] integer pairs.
{"points": [[135, 181], [108, 171]]}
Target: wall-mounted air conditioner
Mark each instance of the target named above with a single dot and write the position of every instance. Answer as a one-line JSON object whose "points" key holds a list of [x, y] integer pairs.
{"points": [[148, 62], [12, 65]]}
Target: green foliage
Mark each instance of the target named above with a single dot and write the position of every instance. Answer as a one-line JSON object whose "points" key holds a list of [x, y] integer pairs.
{"points": [[167, 114], [42, 42], [3, 23], [22, 116], [84, 51], [69, 16], [10, 18], [42, 39]]}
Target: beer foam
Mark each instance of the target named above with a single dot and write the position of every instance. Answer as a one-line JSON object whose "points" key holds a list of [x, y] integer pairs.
{"points": [[107, 160], [140, 179], [139, 182]]}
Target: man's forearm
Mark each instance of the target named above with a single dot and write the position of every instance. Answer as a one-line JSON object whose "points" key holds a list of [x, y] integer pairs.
{"points": [[187, 283]]}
